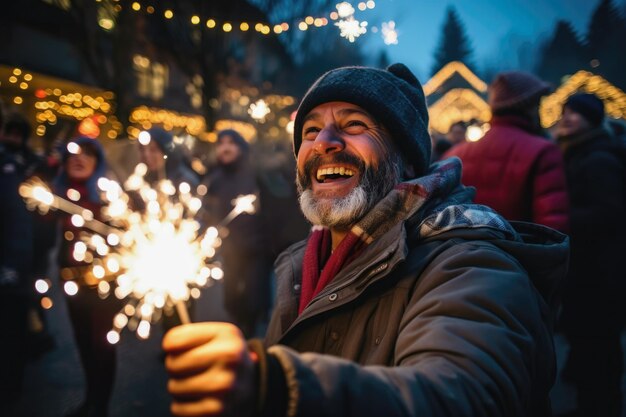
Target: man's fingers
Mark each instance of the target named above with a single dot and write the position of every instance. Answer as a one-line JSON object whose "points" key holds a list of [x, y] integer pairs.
{"points": [[208, 406], [188, 336], [217, 380], [228, 351]]}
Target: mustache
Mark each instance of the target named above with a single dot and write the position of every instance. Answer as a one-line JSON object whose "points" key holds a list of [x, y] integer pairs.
{"points": [[316, 161]]}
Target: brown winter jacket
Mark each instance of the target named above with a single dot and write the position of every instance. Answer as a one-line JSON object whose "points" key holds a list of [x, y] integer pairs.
{"points": [[443, 328]]}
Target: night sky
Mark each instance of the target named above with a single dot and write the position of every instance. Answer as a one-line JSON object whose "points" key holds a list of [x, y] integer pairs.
{"points": [[496, 28]]}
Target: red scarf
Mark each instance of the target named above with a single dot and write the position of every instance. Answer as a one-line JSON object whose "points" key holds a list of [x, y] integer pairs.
{"points": [[318, 256]]}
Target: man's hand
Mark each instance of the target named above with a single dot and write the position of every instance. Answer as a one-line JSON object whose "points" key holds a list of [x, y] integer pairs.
{"points": [[211, 370]]}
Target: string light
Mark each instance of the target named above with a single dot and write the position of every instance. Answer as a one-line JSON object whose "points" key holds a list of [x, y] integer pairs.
{"points": [[344, 11], [193, 124], [448, 71], [614, 99], [457, 104]]}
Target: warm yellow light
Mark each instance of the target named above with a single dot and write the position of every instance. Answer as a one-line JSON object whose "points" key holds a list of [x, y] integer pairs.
{"points": [[168, 14], [244, 26], [362, 6], [195, 19], [258, 27], [303, 26], [318, 22], [448, 71], [17, 71], [334, 15], [278, 29], [210, 23], [371, 4], [17, 100], [136, 6], [227, 27], [12, 79], [583, 81], [285, 26], [106, 24], [150, 9], [457, 104], [309, 20], [28, 77], [23, 85]]}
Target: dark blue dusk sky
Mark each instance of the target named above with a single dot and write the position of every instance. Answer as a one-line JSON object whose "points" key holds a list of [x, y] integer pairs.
{"points": [[496, 28]]}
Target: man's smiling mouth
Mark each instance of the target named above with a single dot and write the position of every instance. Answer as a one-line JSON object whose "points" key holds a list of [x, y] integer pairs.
{"points": [[333, 173]]}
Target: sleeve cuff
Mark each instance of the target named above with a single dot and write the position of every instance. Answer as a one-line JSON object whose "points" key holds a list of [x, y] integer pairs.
{"points": [[271, 382]]}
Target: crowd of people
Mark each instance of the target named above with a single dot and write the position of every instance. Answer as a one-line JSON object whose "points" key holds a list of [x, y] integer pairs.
{"points": [[431, 282]]}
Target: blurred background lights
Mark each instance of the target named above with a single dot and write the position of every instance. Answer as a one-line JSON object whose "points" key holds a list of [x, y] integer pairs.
{"points": [[390, 36]]}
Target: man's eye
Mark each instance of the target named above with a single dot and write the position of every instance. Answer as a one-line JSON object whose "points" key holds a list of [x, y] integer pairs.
{"points": [[310, 131], [355, 126]]}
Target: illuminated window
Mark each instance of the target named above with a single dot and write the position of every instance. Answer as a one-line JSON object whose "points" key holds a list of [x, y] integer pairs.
{"points": [[152, 77]]}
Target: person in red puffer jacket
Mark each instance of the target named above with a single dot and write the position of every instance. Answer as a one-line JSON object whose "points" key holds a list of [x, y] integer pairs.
{"points": [[516, 170]]}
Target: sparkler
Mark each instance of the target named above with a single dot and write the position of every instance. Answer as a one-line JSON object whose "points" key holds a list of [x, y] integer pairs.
{"points": [[155, 258]]}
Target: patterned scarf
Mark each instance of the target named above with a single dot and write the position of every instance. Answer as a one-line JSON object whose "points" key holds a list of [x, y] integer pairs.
{"points": [[434, 203]]}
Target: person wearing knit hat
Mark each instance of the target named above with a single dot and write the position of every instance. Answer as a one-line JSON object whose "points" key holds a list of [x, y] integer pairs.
{"points": [[514, 168], [515, 90], [164, 159], [405, 294], [581, 111], [83, 164], [245, 251], [592, 296]]}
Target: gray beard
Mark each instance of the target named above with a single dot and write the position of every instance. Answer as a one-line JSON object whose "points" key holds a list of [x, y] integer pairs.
{"points": [[341, 213]]}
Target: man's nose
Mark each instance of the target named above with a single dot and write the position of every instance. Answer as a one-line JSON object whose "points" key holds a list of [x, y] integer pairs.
{"points": [[328, 141]]}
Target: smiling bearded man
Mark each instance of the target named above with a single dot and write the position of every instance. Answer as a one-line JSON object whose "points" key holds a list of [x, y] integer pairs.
{"points": [[405, 300], [341, 212]]}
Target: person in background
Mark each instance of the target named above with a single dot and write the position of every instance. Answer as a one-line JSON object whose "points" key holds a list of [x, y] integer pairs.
{"points": [[90, 315], [245, 251], [592, 316], [517, 171], [405, 299], [16, 259], [455, 135], [165, 160]]}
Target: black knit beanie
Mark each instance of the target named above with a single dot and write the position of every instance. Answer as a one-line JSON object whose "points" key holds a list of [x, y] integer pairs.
{"points": [[587, 105], [394, 97]]}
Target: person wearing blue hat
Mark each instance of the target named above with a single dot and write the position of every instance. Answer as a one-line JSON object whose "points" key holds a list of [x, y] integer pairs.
{"points": [[83, 163], [405, 299]]}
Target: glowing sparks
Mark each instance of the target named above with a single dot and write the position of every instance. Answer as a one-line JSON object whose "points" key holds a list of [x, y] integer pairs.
{"points": [[259, 110], [351, 28], [390, 36], [155, 258], [344, 10]]}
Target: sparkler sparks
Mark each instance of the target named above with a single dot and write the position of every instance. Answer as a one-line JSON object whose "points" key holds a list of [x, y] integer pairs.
{"points": [[259, 110], [390, 35], [351, 28], [155, 258]]}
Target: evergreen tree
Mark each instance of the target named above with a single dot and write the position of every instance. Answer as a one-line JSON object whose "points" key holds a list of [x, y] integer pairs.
{"points": [[454, 45], [605, 43], [561, 55]]}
